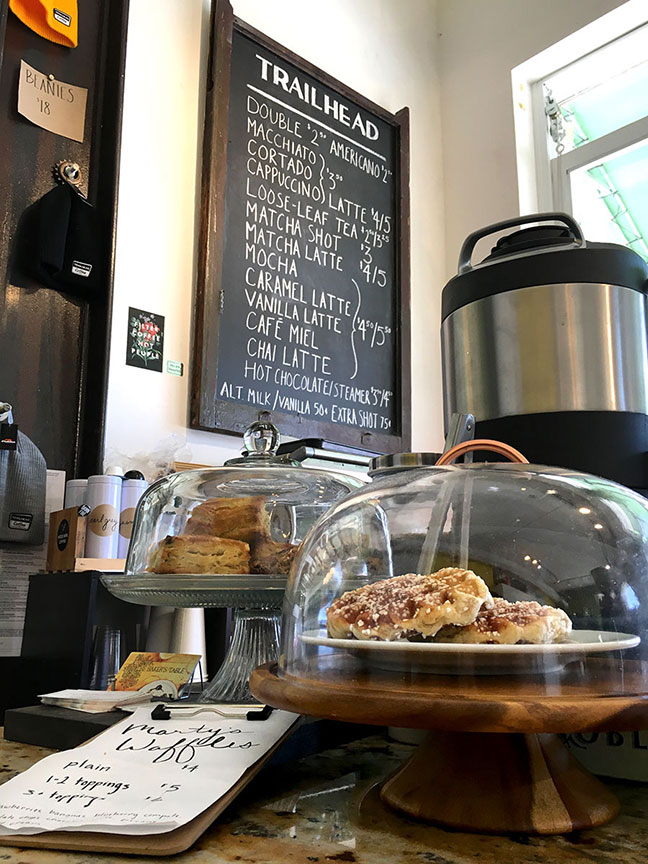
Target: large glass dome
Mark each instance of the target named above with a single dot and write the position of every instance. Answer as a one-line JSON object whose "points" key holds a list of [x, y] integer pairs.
{"points": [[246, 518], [573, 543]]}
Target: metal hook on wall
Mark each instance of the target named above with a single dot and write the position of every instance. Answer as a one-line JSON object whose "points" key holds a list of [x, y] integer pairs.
{"points": [[67, 171]]}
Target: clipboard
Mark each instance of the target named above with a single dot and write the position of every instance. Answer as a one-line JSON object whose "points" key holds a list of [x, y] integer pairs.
{"points": [[169, 843]]}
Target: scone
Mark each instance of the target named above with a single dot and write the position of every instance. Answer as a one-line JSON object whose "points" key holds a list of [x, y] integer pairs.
{"points": [[507, 623], [270, 557], [243, 519], [410, 606], [200, 554]]}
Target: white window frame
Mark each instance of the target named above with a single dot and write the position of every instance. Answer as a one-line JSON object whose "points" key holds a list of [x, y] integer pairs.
{"points": [[544, 182], [590, 154]]}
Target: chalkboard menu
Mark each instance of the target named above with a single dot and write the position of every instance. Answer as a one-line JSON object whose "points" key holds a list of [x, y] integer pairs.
{"points": [[303, 297]]}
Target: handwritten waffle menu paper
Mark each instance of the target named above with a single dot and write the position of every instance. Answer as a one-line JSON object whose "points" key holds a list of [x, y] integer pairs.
{"points": [[142, 776]]}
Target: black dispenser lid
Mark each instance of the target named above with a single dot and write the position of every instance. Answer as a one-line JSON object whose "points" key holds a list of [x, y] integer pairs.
{"points": [[540, 255], [535, 238]]}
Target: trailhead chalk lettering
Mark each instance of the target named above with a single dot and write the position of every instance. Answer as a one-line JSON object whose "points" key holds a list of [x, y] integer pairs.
{"points": [[308, 320]]}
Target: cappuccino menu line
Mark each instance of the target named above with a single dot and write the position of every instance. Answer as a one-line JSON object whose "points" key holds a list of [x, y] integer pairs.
{"points": [[308, 318]]}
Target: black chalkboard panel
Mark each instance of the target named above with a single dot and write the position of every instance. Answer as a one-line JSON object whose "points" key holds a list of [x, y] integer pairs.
{"points": [[302, 313]]}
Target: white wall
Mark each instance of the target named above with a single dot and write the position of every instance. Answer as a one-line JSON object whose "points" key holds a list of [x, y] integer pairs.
{"points": [[157, 229], [445, 59], [480, 41], [382, 48]]}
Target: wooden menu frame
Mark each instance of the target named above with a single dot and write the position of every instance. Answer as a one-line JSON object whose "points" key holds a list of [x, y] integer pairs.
{"points": [[208, 411]]}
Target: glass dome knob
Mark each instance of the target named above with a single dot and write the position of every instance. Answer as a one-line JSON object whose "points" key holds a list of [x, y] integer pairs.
{"points": [[261, 439]]}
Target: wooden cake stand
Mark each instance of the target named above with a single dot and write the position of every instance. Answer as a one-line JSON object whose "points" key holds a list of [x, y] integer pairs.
{"points": [[492, 761]]}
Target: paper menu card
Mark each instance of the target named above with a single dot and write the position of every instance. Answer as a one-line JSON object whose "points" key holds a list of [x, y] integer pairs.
{"points": [[54, 105], [92, 701], [141, 776]]}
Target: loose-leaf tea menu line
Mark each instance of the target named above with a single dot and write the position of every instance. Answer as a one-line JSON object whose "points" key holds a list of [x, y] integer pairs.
{"points": [[308, 312]]}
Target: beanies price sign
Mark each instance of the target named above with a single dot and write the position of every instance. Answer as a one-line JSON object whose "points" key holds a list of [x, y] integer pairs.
{"points": [[51, 104], [303, 297]]}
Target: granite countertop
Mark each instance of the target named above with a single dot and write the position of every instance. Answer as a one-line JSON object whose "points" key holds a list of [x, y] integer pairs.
{"points": [[324, 809]]}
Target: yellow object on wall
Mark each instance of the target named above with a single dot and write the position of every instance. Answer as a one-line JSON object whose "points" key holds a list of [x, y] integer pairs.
{"points": [[56, 20]]}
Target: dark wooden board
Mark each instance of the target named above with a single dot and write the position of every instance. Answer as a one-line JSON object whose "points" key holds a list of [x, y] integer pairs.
{"points": [[302, 313], [54, 347]]}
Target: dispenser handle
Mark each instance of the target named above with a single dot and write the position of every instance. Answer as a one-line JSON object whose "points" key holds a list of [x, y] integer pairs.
{"points": [[470, 242], [499, 447]]}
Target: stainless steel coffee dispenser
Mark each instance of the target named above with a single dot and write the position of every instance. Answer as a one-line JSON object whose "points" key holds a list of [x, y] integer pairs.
{"points": [[545, 342]]}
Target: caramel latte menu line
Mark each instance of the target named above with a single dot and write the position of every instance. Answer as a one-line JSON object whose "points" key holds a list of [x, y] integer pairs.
{"points": [[308, 302]]}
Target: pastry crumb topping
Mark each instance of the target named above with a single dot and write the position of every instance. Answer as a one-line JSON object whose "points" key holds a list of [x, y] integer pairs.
{"points": [[502, 613], [390, 608]]}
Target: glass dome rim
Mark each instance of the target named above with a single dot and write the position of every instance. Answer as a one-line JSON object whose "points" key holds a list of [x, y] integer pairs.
{"points": [[401, 476], [506, 465], [286, 471], [397, 482]]}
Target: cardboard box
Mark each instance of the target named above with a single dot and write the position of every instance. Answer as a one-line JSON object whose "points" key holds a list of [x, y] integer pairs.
{"points": [[66, 541], [104, 565]]}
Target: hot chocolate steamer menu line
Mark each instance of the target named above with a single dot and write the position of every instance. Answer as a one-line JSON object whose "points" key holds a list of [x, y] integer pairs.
{"points": [[310, 318]]}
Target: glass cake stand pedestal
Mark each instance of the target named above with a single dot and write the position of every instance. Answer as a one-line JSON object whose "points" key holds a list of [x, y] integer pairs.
{"points": [[256, 604], [492, 761]]}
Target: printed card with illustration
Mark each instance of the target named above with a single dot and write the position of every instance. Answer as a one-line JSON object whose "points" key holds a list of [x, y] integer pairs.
{"points": [[145, 342], [152, 672]]}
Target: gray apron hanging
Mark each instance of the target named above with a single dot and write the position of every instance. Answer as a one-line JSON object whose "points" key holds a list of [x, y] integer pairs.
{"points": [[23, 478]]}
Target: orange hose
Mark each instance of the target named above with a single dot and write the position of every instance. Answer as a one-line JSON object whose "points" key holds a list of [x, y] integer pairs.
{"points": [[499, 447]]}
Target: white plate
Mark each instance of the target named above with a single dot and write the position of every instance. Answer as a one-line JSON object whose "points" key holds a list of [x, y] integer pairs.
{"points": [[449, 658]]}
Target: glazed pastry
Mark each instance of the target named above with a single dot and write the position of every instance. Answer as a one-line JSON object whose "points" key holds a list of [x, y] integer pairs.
{"points": [[412, 606], [200, 554], [507, 623], [270, 557], [244, 519]]}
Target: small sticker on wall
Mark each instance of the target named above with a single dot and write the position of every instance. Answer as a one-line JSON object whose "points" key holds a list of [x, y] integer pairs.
{"points": [[174, 367], [53, 105], [145, 341]]}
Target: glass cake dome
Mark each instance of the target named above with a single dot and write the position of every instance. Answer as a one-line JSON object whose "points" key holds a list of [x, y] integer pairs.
{"points": [[227, 537], [558, 589], [244, 519]]}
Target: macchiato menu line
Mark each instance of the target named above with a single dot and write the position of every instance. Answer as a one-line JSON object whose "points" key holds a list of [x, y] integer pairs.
{"points": [[318, 122]]}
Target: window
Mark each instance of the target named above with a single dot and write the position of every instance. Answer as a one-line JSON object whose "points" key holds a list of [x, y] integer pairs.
{"points": [[584, 146]]}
